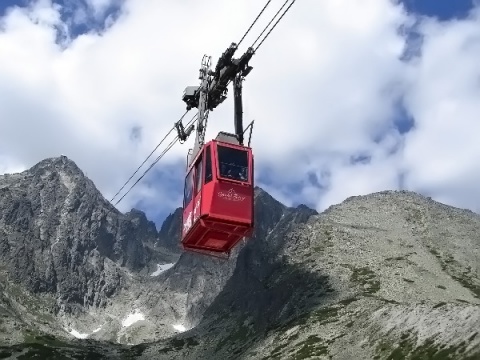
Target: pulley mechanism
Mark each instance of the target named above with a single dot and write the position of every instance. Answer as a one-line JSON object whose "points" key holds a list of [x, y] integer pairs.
{"points": [[213, 90]]}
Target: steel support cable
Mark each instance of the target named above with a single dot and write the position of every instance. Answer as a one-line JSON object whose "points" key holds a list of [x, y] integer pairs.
{"points": [[273, 27], [155, 161], [266, 27], [148, 157], [261, 12]]}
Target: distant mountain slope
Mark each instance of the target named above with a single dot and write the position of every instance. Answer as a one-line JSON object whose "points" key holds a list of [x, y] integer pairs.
{"points": [[391, 275]]}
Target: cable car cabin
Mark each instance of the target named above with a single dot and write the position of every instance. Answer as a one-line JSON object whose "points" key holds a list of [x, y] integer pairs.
{"points": [[218, 197]]}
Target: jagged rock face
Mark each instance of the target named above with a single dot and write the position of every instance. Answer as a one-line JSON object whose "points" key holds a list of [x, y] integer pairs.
{"points": [[170, 231], [58, 235], [144, 229]]}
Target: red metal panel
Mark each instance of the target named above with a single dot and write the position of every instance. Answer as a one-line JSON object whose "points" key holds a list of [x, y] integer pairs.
{"points": [[232, 202], [221, 214]]}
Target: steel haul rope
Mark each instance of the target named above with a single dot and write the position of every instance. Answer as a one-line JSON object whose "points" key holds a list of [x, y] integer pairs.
{"points": [[169, 146], [160, 143], [268, 2], [273, 27]]}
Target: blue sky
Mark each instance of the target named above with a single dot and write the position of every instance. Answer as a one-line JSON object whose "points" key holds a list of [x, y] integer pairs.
{"points": [[444, 10], [360, 107], [71, 8], [441, 9], [8, 3]]}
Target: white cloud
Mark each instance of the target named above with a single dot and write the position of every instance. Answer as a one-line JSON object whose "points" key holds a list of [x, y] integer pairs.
{"points": [[322, 90], [442, 153]]}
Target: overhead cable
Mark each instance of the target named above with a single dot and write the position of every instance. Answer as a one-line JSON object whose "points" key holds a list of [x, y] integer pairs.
{"points": [[273, 27], [169, 146], [268, 2], [148, 157]]}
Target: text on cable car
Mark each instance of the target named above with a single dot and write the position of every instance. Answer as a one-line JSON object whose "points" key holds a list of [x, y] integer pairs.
{"points": [[196, 211], [188, 222], [230, 195]]}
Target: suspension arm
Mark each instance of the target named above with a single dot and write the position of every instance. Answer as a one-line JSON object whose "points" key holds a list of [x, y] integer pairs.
{"points": [[238, 107]]}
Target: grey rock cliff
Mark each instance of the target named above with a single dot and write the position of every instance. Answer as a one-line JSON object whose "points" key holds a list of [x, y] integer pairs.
{"points": [[60, 239], [169, 234], [144, 229]]}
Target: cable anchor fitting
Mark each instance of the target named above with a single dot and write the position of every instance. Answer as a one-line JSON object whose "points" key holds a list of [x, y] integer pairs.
{"points": [[182, 133]]}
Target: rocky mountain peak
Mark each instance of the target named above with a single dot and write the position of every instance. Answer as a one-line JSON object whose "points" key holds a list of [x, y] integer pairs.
{"points": [[139, 215], [59, 168], [146, 229], [59, 163], [169, 234], [59, 236]]}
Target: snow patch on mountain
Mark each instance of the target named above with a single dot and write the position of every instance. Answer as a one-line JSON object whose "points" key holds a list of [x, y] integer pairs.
{"points": [[161, 268], [133, 318]]}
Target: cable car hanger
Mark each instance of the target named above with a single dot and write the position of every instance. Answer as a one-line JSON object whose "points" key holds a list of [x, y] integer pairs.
{"points": [[212, 92], [214, 86]]}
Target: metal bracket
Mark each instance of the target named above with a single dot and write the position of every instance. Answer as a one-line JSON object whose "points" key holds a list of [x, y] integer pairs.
{"points": [[251, 130], [182, 133], [189, 154]]}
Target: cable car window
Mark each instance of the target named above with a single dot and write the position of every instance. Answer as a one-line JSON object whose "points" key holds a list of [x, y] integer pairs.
{"points": [[208, 165], [188, 188], [233, 163], [198, 174]]}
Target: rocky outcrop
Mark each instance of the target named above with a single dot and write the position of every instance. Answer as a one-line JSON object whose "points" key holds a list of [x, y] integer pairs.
{"points": [[59, 236], [170, 231], [144, 229]]}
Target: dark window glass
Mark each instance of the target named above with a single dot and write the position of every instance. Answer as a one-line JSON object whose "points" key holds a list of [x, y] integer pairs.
{"points": [[198, 174], [233, 163], [188, 188], [208, 165]]}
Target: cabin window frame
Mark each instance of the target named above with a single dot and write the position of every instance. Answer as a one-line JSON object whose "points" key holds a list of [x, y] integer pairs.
{"points": [[189, 185], [198, 178], [231, 164], [208, 173]]}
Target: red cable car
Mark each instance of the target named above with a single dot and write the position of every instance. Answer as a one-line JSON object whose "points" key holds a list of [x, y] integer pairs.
{"points": [[218, 206], [218, 197]]}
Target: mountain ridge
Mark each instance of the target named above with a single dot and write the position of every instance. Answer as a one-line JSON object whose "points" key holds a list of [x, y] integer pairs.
{"points": [[387, 268], [394, 289]]}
